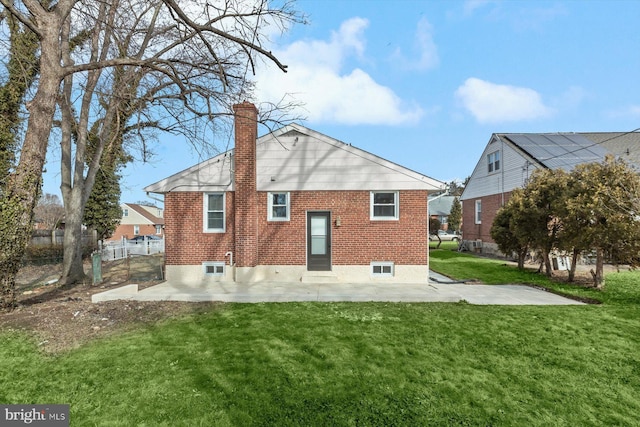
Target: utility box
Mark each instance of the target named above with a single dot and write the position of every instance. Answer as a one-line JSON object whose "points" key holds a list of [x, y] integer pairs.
{"points": [[96, 266], [561, 263]]}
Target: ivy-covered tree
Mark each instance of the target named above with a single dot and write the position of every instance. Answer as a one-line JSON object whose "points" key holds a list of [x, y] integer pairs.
{"points": [[21, 71]]}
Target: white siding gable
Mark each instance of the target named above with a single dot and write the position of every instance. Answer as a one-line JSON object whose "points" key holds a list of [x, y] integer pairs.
{"points": [[515, 168], [296, 158], [211, 175]]}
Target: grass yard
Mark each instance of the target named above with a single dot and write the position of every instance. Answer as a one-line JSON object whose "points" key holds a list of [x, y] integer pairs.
{"points": [[317, 364]]}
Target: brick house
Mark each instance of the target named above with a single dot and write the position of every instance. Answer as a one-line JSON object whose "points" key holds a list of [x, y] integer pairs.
{"points": [[139, 220], [508, 161], [295, 205]]}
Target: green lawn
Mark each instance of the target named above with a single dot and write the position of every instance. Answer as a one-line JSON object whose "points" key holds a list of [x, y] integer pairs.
{"points": [[351, 364]]}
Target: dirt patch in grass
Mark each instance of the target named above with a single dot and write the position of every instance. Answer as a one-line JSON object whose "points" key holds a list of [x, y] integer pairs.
{"points": [[64, 318]]}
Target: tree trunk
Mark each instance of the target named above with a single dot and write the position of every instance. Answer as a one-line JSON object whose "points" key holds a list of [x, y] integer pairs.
{"points": [[548, 270], [23, 187], [598, 275], [574, 264], [72, 266], [522, 255]]}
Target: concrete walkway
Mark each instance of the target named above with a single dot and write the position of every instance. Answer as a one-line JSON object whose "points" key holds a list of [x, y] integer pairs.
{"points": [[439, 289]]}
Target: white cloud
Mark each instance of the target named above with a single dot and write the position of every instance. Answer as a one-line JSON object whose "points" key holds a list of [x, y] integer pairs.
{"points": [[630, 111], [493, 103], [470, 6], [317, 77], [426, 49]]}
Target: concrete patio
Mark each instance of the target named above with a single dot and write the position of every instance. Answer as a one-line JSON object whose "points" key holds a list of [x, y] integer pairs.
{"points": [[439, 289]]}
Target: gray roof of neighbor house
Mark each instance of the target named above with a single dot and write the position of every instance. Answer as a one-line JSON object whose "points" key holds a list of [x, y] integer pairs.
{"points": [[295, 158], [440, 205]]}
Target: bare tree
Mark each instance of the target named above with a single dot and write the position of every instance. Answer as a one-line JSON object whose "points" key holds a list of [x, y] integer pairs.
{"points": [[134, 64], [49, 211]]}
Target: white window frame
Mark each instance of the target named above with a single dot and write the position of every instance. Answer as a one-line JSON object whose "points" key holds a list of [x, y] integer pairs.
{"points": [[158, 229], [205, 216], [493, 162], [217, 265], [396, 206], [125, 212], [270, 206], [383, 265], [136, 230], [478, 212]]}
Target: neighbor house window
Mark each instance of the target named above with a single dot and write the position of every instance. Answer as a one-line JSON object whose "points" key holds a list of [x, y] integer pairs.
{"points": [[136, 230], [125, 212], [493, 161], [444, 219], [384, 205], [278, 206], [214, 218], [478, 211], [382, 269], [158, 229], [213, 268]]}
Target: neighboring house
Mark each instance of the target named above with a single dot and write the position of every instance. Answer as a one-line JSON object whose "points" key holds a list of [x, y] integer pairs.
{"points": [[508, 161], [295, 205], [139, 220], [440, 208]]}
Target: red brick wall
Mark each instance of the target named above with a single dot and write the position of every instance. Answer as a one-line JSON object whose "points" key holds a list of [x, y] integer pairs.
{"points": [[490, 205], [126, 230], [358, 240], [185, 241]]}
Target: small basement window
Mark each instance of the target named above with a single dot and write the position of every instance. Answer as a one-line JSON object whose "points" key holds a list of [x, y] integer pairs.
{"points": [[213, 268], [382, 268]]}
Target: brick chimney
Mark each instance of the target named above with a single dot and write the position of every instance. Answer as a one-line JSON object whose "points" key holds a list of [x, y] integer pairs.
{"points": [[246, 210]]}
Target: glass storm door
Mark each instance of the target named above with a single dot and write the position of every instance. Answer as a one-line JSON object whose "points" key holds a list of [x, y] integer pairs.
{"points": [[318, 241]]}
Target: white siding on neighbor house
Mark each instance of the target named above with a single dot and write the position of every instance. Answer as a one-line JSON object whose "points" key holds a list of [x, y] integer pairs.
{"points": [[295, 158], [133, 217], [515, 168]]}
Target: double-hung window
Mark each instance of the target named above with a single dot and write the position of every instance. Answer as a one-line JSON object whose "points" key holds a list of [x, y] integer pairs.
{"points": [[478, 212], [214, 215], [493, 161], [384, 205], [278, 206]]}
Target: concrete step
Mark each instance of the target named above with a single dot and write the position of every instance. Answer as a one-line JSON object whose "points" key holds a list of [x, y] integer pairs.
{"points": [[319, 277]]}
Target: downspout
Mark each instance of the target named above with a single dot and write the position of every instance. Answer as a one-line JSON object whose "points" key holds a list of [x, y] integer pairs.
{"points": [[501, 170]]}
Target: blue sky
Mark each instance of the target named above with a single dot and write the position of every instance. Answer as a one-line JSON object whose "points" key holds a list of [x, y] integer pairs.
{"points": [[426, 83]]}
